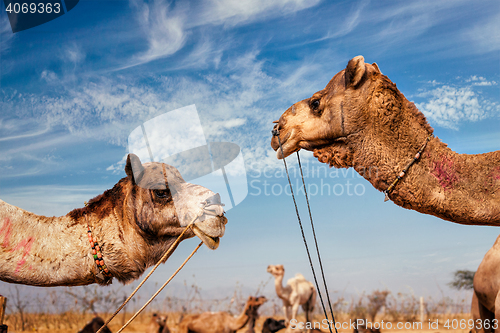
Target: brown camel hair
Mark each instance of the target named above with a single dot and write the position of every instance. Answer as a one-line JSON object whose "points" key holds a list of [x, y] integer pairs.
{"points": [[486, 296], [94, 325], [158, 324], [272, 325], [361, 120], [220, 322], [298, 291], [134, 223]]}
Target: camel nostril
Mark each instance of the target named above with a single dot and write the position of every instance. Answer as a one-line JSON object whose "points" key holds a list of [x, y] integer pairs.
{"points": [[213, 205], [213, 200]]}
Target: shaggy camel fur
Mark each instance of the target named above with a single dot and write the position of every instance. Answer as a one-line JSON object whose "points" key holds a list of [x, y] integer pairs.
{"points": [[272, 325], [253, 315], [158, 324], [298, 291], [486, 297], [94, 325], [220, 322], [134, 224], [361, 120]]}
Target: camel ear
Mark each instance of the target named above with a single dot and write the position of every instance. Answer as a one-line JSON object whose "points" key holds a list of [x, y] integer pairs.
{"points": [[134, 168], [354, 71], [376, 67]]}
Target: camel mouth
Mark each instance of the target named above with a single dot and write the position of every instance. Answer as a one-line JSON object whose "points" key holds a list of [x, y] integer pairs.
{"points": [[287, 147], [210, 231], [211, 242]]}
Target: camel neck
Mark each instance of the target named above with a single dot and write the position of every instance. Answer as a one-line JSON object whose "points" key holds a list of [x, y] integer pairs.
{"points": [[242, 319], [278, 284], [43, 251], [455, 187]]}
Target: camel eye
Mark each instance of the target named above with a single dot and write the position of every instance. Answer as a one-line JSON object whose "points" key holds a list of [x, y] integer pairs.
{"points": [[161, 194], [315, 105]]}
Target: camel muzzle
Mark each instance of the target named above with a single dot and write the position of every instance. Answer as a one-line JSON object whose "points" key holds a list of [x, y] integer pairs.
{"points": [[210, 225]]}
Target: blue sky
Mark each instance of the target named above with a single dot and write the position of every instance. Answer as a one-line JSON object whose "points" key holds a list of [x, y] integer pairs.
{"points": [[73, 89]]}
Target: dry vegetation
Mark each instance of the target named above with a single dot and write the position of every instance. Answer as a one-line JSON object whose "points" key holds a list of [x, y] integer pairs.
{"points": [[67, 311]]}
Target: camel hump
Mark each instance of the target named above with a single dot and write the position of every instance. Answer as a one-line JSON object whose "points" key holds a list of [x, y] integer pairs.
{"points": [[299, 276]]}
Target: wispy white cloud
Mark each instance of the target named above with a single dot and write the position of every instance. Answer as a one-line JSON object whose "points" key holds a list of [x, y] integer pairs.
{"points": [[49, 76], [232, 13], [73, 54], [449, 106], [163, 27], [6, 34], [167, 27], [480, 81], [236, 104], [484, 36], [51, 200]]}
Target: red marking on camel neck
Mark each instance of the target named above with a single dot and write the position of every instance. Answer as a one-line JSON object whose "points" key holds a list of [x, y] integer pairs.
{"points": [[26, 244], [445, 171], [495, 174], [7, 229]]}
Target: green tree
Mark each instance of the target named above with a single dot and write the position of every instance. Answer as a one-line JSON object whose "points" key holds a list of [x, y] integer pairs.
{"points": [[462, 279]]}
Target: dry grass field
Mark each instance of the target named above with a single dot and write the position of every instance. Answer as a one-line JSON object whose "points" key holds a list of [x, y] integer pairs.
{"points": [[72, 322], [67, 312]]}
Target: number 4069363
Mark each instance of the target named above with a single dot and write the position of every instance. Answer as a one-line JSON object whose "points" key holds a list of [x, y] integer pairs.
{"points": [[32, 7], [470, 324]]}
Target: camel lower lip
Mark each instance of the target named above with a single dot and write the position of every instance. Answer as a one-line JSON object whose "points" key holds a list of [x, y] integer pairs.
{"points": [[211, 242]]}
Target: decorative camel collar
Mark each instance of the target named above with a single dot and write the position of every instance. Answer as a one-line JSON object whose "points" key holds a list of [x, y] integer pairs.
{"points": [[405, 170], [104, 273]]}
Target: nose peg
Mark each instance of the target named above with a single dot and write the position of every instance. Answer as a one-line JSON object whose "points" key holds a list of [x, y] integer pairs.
{"points": [[213, 200], [213, 205]]}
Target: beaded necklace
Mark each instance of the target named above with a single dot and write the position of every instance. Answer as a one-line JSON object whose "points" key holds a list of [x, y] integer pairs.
{"points": [[96, 253]]}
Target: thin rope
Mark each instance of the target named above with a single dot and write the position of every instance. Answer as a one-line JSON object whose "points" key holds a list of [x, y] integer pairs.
{"points": [[316, 243], [159, 290], [303, 235], [164, 257]]}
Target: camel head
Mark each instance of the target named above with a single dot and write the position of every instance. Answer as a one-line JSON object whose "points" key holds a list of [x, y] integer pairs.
{"points": [[276, 270], [161, 203], [253, 304], [330, 116]]}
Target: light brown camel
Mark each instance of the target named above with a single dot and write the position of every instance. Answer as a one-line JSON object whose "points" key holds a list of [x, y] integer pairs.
{"points": [[158, 324], [298, 291], [486, 297], [361, 120], [220, 322], [134, 223]]}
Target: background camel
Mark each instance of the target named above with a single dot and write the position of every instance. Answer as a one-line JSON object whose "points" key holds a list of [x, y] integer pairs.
{"points": [[220, 322], [298, 291], [272, 325], [158, 324], [486, 297], [361, 120], [134, 223], [94, 325]]}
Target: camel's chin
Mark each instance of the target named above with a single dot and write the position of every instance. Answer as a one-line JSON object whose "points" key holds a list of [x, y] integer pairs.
{"points": [[211, 242], [287, 151]]}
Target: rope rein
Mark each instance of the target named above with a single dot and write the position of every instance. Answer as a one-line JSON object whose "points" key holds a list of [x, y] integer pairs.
{"points": [[317, 248], [405, 170], [162, 259], [159, 290], [276, 133]]}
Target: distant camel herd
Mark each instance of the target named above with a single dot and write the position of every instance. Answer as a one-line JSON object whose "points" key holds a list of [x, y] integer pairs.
{"points": [[359, 120]]}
